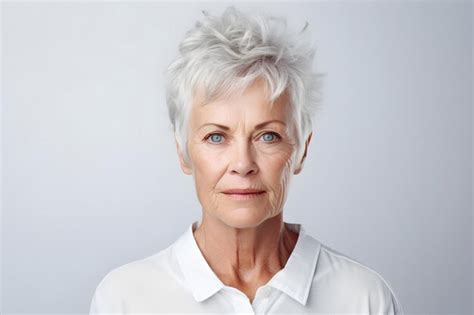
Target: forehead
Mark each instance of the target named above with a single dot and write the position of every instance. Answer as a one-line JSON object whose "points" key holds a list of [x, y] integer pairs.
{"points": [[253, 103]]}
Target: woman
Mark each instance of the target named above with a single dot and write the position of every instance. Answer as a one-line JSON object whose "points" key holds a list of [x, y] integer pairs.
{"points": [[241, 98]]}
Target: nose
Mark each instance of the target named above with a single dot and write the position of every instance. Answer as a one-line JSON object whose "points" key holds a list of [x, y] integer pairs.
{"points": [[243, 161]]}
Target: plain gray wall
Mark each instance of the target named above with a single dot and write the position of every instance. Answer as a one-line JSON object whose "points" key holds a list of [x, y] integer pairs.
{"points": [[91, 178]]}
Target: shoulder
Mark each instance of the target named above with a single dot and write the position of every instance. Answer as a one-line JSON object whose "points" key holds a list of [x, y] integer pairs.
{"points": [[161, 266], [354, 282], [341, 267], [132, 281]]}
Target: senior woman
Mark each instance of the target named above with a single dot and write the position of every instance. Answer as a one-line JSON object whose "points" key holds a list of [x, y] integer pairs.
{"points": [[241, 99]]}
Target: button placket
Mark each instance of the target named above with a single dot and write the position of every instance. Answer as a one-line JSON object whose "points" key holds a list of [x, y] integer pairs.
{"points": [[262, 300], [238, 300]]}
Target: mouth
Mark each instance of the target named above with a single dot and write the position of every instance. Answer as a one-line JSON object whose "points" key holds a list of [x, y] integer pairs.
{"points": [[243, 194], [243, 191]]}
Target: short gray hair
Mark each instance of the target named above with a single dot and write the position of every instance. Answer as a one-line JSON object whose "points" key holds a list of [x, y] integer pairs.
{"points": [[225, 54]]}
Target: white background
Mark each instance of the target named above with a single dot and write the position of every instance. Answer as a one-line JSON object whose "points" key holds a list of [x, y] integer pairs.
{"points": [[91, 178]]}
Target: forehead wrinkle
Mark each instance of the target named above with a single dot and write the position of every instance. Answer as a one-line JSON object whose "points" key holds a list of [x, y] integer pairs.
{"points": [[258, 126], [275, 107]]}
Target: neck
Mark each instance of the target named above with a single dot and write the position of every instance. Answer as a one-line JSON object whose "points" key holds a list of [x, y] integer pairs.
{"points": [[244, 254]]}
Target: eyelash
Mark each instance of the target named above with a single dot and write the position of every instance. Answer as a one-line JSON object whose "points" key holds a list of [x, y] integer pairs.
{"points": [[278, 137]]}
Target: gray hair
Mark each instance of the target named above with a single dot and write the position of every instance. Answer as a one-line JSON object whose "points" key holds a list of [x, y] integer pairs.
{"points": [[225, 54]]}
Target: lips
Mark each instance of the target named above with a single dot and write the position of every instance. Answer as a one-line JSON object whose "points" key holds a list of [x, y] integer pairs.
{"points": [[238, 191]]}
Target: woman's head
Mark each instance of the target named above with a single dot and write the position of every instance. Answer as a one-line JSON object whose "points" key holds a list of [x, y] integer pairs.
{"points": [[241, 99], [223, 55]]}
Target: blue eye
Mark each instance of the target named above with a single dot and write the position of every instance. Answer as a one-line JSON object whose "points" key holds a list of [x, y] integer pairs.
{"points": [[215, 137], [269, 136], [266, 136]]}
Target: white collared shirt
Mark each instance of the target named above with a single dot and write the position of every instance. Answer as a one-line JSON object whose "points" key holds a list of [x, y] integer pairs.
{"points": [[315, 279]]}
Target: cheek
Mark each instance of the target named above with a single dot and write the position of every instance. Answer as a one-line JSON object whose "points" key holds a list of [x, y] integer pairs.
{"points": [[208, 166], [277, 173]]}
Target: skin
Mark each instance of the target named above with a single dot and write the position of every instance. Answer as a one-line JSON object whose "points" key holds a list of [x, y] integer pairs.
{"points": [[245, 242]]}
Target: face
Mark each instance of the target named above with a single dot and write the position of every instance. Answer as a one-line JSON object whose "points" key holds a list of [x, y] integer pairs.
{"points": [[242, 142]]}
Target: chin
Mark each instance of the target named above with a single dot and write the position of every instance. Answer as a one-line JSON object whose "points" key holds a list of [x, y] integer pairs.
{"points": [[242, 218]]}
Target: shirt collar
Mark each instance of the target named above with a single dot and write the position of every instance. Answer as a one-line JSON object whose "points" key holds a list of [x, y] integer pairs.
{"points": [[201, 279], [294, 279]]}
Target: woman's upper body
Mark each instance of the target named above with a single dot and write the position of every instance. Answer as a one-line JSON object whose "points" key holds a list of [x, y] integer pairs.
{"points": [[315, 279], [241, 100]]}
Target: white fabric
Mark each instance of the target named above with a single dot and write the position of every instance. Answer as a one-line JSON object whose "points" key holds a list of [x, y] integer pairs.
{"points": [[315, 279]]}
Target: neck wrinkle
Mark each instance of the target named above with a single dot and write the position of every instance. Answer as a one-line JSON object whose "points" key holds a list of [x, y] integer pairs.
{"points": [[266, 256]]}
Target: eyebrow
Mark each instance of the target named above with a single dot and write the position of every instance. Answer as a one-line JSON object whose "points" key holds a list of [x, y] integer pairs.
{"points": [[256, 127]]}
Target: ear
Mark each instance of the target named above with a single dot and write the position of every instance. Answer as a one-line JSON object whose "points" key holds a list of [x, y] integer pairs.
{"points": [[301, 163], [184, 166]]}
